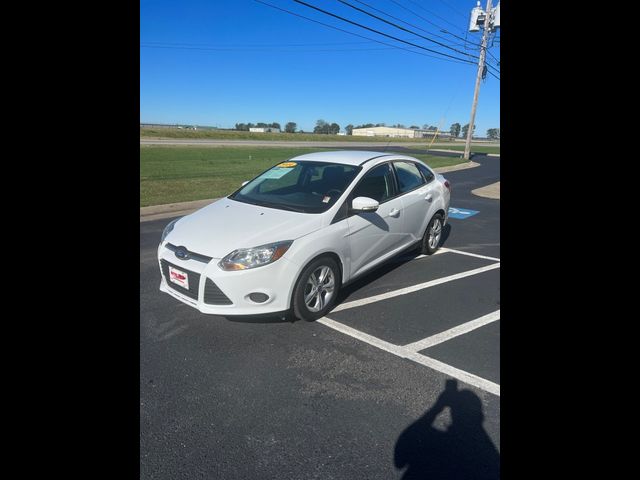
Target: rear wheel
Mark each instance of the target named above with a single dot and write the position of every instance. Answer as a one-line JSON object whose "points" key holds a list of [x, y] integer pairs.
{"points": [[316, 289], [433, 235]]}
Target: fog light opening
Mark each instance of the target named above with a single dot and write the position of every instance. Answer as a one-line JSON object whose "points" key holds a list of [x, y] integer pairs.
{"points": [[258, 297]]}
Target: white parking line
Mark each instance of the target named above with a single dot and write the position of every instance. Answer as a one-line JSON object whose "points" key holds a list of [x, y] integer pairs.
{"points": [[414, 288], [453, 332], [403, 352], [460, 252]]}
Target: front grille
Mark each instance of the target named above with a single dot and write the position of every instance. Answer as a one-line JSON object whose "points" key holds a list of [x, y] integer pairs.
{"points": [[194, 280], [192, 255], [213, 295]]}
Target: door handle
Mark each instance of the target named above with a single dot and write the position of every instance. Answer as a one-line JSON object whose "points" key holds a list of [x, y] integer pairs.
{"points": [[429, 197], [394, 213]]}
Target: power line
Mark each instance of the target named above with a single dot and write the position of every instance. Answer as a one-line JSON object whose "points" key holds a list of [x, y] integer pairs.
{"points": [[435, 14], [407, 23], [455, 9], [378, 32], [357, 34], [265, 49], [323, 44], [418, 15], [493, 56], [465, 39], [406, 30]]}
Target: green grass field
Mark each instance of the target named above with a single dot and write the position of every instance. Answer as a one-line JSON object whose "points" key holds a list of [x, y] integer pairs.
{"points": [[474, 148], [181, 174]]}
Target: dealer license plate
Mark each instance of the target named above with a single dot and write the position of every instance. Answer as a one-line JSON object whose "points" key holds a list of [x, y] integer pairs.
{"points": [[179, 277]]}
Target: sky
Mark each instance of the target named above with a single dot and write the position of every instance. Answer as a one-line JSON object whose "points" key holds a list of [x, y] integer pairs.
{"points": [[222, 62]]}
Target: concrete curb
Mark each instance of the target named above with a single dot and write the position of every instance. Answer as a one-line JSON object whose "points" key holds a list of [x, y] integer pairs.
{"points": [[157, 212], [490, 191]]}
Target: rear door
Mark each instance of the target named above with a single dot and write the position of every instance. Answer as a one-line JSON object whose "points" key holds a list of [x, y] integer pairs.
{"points": [[417, 197]]}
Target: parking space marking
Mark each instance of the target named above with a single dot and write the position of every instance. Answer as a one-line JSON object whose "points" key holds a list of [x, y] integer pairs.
{"points": [[453, 332], [466, 377], [460, 252], [414, 288]]}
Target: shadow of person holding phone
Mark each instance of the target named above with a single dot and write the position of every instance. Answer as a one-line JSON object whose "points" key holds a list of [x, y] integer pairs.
{"points": [[464, 451]]}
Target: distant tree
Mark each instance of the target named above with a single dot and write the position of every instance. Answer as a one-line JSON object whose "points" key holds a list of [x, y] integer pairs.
{"points": [[321, 127], [250, 125], [290, 127], [275, 125], [349, 129], [242, 126], [493, 133], [425, 126], [455, 130], [414, 127], [261, 125], [381, 124], [465, 131], [366, 125], [432, 128], [334, 128]]}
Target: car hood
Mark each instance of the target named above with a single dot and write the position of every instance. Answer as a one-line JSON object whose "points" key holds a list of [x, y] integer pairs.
{"points": [[226, 225]]}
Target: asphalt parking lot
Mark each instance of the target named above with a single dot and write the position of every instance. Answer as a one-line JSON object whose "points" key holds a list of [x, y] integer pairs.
{"points": [[352, 395]]}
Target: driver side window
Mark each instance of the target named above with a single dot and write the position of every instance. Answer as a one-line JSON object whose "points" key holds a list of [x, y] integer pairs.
{"points": [[377, 184]]}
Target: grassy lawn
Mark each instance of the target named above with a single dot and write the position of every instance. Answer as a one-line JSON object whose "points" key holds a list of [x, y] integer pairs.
{"points": [[475, 148], [181, 174]]}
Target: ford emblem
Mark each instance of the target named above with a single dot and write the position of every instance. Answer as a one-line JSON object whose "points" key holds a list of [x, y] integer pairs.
{"points": [[182, 253]]}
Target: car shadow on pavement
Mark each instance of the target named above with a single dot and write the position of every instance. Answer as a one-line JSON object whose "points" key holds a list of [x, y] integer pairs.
{"points": [[386, 267], [463, 451]]}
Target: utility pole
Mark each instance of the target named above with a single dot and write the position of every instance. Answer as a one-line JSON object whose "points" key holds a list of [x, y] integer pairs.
{"points": [[487, 26]]}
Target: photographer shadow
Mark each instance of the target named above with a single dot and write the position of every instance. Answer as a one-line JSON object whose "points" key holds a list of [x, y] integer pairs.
{"points": [[464, 451]]}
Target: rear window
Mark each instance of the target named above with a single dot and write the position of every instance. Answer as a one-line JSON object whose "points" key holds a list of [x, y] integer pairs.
{"points": [[408, 176]]}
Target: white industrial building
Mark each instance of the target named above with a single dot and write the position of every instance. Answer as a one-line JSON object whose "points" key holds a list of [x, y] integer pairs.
{"points": [[396, 132], [264, 130]]}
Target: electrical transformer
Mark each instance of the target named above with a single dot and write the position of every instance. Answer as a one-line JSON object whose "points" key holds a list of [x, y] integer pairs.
{"points": [[477, 18], [496, 16]]}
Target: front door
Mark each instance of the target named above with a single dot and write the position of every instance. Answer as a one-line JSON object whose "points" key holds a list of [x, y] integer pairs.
{"points": [[374, 235]]}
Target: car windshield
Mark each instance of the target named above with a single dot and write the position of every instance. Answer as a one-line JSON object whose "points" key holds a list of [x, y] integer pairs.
{"points": [[308, 187]]}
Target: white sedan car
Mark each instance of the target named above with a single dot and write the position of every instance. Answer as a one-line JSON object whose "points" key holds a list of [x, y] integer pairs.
{"points": [[290, 238]]}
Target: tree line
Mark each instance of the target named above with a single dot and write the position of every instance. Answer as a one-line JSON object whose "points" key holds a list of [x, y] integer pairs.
{"points": [[324, 127]]}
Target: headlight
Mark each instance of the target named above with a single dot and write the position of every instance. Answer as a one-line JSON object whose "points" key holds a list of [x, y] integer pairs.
{"points": [[167, 229], [245, 258]]}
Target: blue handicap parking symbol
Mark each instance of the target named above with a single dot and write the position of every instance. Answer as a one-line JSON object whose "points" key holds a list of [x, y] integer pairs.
{"points": [[461, 213]]}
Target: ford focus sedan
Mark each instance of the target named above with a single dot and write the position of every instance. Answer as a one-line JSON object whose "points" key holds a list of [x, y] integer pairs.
{"points": [[289, 239]]}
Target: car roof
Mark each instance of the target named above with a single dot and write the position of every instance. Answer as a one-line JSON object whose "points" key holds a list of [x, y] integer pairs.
{"points": [[348, 157]]}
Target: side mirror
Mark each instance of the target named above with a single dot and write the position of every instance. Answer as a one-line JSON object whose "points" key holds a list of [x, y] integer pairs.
{"points": [[244, 183], [364, 204]]}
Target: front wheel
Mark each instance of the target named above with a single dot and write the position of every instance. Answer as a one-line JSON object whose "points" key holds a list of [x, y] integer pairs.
{"points": [[317, 289], [433, 235]]}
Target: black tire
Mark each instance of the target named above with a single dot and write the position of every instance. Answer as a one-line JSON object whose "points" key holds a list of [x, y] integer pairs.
{"points": [[304, 288], [430, 244]]}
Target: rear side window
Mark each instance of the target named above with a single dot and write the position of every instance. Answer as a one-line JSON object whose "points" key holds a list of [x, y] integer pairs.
{"points": [[377, 184], [408, 176], [428, 174]]}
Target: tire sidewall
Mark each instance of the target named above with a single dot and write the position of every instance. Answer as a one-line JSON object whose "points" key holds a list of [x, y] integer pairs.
{"points": [[426, 249], [300, 309]]}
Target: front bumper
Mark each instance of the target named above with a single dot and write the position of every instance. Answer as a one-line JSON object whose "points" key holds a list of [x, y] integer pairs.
{"points": [[229, 293]]}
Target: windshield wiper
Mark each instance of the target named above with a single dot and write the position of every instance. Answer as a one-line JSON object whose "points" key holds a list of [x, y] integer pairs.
{"points": [[283, 207]]}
